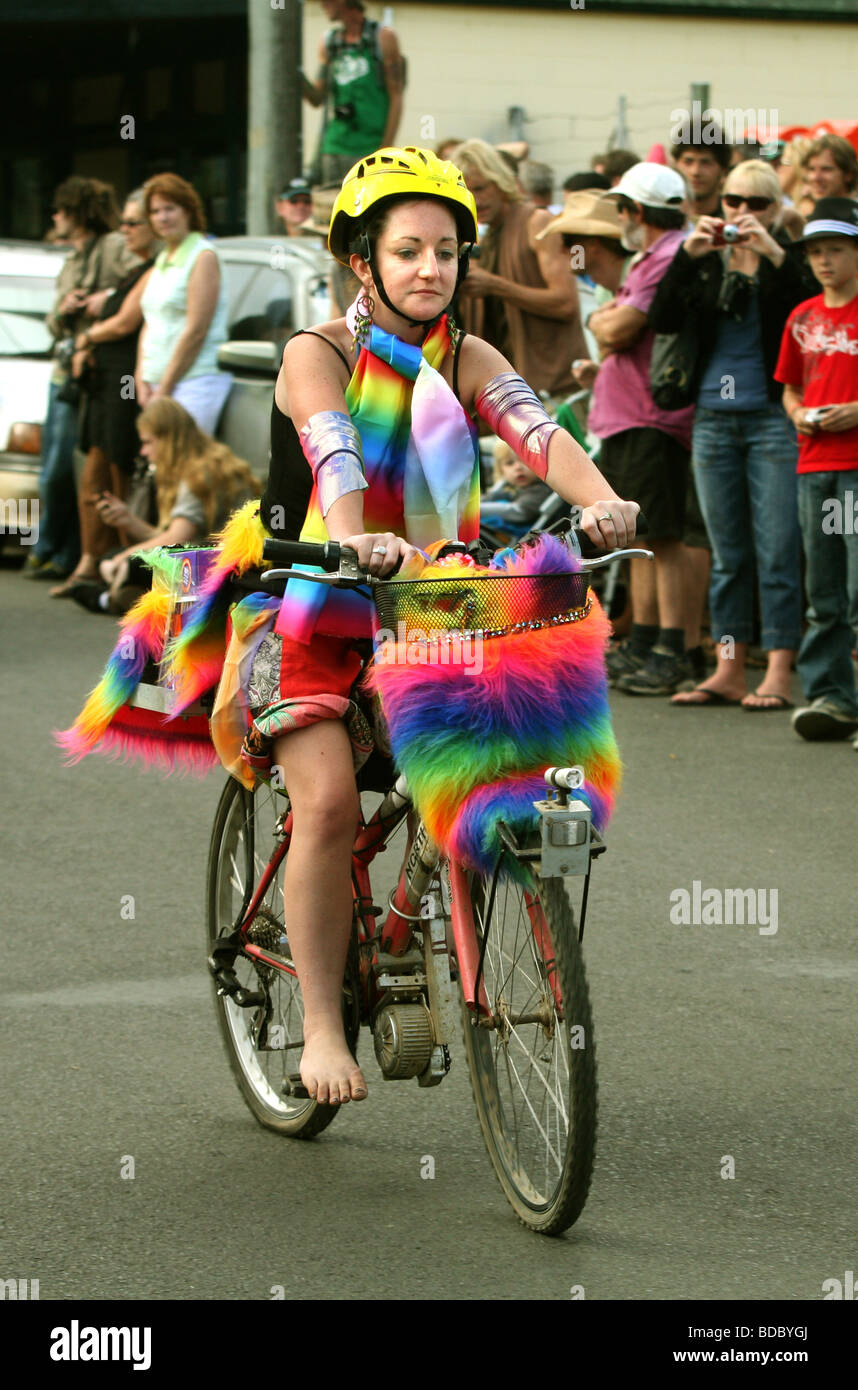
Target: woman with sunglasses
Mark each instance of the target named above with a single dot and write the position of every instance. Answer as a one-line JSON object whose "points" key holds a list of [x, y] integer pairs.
{"points": [[740, 293], [108, 426]]}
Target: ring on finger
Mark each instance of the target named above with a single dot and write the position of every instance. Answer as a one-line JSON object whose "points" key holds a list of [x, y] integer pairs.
{"points": [[379, 550], [606, 517]]}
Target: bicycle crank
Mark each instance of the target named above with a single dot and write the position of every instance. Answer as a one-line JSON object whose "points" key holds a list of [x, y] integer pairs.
{"points": [[402, 1034]]}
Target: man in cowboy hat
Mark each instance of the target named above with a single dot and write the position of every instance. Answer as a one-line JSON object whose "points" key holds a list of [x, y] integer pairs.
{"points": [[591, 231]]}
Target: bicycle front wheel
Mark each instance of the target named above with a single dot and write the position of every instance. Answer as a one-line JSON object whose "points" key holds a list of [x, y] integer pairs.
{"points": [[533, 1072], [263, 1042]]}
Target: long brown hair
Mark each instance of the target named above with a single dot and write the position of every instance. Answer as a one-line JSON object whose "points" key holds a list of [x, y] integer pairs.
{"points": [[212, 471]]}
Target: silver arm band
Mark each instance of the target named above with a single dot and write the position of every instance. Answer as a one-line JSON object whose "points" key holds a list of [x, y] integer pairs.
{"points": [[333, 450], [515, 413]]}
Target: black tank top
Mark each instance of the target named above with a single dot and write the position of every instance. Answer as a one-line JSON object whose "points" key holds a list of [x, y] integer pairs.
{"points": [[283, 506]]}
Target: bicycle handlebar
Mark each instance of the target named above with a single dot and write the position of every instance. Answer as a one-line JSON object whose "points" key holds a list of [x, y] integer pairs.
{"points": [[327, 555]]}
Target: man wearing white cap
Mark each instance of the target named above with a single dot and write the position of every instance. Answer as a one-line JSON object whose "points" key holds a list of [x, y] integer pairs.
{"points": [[645, 450]]}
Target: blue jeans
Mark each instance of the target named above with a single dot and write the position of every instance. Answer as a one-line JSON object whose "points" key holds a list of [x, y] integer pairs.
{"points": [[59, 527], [831, 576], [744, 468]]}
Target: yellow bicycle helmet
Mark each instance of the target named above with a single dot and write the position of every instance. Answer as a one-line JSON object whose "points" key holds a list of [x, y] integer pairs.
{"points": [[396, 173]]}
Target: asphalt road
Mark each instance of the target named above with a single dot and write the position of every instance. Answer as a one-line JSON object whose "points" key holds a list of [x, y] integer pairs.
{"points": [[714, 1042]]}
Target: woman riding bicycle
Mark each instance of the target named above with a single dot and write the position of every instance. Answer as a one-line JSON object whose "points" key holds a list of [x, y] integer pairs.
{"points": [[381, 404]]}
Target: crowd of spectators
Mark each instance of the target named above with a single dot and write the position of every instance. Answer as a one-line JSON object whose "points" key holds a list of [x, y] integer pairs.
{"points": [[730, 482]]}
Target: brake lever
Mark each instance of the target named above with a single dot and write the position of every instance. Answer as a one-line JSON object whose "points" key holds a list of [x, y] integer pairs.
{"points": [[613, 555], [341, 580]]}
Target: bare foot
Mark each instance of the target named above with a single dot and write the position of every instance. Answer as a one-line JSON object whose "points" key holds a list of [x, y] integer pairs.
{"points": [[767, 699], [329, 1071]]}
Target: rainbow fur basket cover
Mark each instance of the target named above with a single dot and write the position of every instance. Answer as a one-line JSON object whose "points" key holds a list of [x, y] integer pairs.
{"points": [[475, 720]]}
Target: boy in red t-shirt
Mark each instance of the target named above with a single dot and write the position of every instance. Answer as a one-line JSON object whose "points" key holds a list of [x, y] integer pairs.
{"points": [[818, 365]]}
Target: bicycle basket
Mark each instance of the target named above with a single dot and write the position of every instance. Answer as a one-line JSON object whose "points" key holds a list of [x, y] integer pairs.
{"points": [[483, 605]]}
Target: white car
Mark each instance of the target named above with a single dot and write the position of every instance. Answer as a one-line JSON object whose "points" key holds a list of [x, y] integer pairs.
{"points": [[276, 286], [28, 273]]}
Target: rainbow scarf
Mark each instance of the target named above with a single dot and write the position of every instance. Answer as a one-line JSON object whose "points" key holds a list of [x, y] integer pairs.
{"points": [[474, 743], [421, 465]]}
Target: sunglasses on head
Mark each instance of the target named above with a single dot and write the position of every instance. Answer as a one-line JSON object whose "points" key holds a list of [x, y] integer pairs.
{"points": [[735, 200]]}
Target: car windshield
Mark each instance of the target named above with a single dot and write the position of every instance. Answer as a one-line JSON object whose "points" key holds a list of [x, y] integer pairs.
{"points": [[24, 302], [260, 303]]}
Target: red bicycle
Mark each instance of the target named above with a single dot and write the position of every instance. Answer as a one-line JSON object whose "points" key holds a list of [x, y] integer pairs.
{"points": [[501, 953]]}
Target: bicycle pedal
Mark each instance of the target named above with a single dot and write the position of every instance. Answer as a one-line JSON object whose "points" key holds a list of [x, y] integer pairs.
{"points": [[294, 1086]]}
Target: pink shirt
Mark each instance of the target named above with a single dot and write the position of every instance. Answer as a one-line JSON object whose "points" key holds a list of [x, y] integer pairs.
{"points": [[622, 399]]}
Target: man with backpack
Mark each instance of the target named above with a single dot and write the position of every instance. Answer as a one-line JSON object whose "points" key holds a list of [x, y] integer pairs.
{"points": [[360, 82]]}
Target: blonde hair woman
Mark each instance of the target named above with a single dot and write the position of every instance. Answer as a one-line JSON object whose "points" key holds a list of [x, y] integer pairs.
{"points": [[198, 483]]}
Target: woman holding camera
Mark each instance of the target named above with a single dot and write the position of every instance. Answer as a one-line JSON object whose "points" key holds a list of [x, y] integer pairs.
{"points": [[739, 281]]}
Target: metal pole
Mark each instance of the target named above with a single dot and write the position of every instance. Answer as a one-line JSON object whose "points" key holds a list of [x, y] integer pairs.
{"points": [[622, 134], [274, 114], [700, 94]]}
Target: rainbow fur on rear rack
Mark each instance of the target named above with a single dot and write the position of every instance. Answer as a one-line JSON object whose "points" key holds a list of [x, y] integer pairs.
{"points": [[192, 662], [474, 738], [141, 640]]}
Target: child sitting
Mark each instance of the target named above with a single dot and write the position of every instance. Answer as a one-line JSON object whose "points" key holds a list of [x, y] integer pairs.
{"points": [[514, 501]]}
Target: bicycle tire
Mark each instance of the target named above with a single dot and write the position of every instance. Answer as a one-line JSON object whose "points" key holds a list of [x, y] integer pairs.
{"points": [[534, 1083], [241, 845]]}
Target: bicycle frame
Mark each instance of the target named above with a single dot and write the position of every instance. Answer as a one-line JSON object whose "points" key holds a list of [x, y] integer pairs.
{"points": [[419, 868]]}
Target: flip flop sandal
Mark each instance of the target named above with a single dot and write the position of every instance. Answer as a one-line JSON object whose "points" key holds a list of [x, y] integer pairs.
{"points": [[713, 697], [783, 703]]}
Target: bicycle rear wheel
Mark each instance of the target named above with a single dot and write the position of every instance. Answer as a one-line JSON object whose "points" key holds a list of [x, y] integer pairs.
{"points": [[534, 1073], [263, 1042]]}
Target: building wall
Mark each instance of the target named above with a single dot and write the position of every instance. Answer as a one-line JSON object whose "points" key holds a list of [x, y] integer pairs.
{"points": [[468, 65]]}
